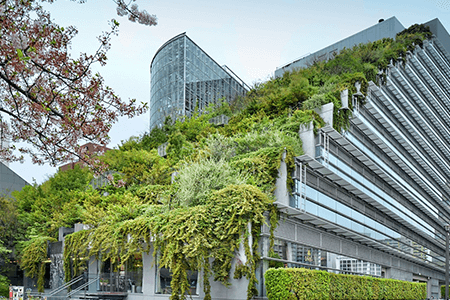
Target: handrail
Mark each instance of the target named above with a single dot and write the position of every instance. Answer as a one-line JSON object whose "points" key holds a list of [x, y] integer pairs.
{"points": [[82, 286], [67, 284]]}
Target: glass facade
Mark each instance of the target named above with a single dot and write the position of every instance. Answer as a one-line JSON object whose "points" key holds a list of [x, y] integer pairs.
{"points": [[374, 198], [184, 77], [294, 255], [384, 181], [352, 265], [323, 206]]}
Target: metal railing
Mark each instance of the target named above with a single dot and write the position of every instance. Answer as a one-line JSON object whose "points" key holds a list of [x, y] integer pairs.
{"points": [[65, 286], [84, 287], [54, 293], [103, 283]]}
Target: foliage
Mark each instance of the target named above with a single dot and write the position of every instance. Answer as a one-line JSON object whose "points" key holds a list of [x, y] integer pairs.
{"points": [[300, 283], [34, 257], [197, 180], [4, 286], [138, 166], [186, 237], [10, 230], [50, 100], [53, 204], [443, 291], [322, 82]]}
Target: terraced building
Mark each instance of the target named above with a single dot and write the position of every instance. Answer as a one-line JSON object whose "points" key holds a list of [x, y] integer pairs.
{"points": [[374, 199]]}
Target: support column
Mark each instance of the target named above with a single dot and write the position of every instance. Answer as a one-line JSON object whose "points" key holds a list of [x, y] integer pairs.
{"points": [[433, 289], [447, 229], [93, 272]]}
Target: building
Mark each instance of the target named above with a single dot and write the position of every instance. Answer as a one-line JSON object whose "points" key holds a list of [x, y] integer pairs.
{"points": [[88, 149], [375, 198], [184, 77], [372, 200], [9, 180]]}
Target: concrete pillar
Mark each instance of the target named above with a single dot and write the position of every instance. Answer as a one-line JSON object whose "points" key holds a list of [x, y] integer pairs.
{"points": [[326, 113], [433, 289], [306, 133], [281, 192], [93, 271], [148, 273]]}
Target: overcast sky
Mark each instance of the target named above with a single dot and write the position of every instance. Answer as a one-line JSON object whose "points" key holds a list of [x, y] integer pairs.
{"points": [[252, 38]]}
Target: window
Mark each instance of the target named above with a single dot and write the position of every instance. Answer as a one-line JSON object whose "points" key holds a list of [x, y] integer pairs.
{"points": [[163, 281]]}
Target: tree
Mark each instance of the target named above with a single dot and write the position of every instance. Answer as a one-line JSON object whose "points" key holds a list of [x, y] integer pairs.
{"points": [[10, 233], [47, 98]]}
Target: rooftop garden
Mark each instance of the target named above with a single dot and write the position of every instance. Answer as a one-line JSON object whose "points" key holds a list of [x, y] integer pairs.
{"points": [[210, 194]]}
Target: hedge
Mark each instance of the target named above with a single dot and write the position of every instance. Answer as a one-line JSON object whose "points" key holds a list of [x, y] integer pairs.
{"points": [[300, 283], [443, 291]]}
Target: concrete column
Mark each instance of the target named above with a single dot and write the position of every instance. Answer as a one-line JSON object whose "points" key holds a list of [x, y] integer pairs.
{"points": [[148, 274], [306, 133], [433, 289], [93, 270], [326, 113], [281, 192]]}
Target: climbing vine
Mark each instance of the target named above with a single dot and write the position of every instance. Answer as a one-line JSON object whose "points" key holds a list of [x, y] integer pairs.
{"points": [[34, 258], [187, 238]]}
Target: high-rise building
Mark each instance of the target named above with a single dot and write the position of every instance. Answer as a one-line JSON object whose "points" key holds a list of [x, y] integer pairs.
{"points": [[184, 77], [378, 193]]}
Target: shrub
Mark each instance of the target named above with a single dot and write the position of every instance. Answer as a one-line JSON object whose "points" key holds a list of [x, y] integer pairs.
{"points": [[4, 286], [300, 283]]}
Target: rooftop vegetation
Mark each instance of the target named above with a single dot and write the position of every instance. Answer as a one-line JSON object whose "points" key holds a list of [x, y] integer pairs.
{"points": [[210, 194]]}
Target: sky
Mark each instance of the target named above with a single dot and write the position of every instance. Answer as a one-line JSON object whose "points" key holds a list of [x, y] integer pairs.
{"points": [[251, 37]]}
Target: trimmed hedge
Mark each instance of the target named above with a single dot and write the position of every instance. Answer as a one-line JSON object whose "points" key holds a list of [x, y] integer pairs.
{"points": [[443, 291], [300, 283]]}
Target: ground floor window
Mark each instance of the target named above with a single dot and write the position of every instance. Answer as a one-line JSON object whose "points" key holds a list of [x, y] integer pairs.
{"points": [[164, 279], [134, 270], [121, 277], [291, 254], [357, 266]]}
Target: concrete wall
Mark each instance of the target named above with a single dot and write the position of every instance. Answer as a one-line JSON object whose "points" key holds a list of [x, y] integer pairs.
{"points": [[440, 32]]}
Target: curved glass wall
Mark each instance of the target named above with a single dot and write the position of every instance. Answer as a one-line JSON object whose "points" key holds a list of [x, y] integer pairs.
{"points": [[184, 77]]}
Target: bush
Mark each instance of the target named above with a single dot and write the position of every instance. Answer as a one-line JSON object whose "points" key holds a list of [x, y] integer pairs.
{"points": [[443, 291], [4, 286], [300, 283]]}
